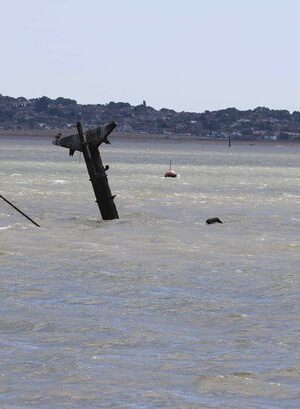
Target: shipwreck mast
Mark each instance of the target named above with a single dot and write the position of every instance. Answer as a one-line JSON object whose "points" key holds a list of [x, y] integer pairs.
{"points": [[88, 143], [98, 178]]}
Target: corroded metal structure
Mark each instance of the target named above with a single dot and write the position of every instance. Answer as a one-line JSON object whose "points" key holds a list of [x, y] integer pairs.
{"points": [[88, 143]]}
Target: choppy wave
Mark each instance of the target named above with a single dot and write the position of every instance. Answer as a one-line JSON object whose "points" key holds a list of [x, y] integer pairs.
{"points": [[156, 309]]}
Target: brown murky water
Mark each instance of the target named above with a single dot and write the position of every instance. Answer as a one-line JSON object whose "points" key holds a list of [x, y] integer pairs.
{"points": [[157, 309]]}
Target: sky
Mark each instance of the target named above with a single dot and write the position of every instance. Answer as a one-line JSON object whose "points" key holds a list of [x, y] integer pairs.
{"points": [[187, 55]]}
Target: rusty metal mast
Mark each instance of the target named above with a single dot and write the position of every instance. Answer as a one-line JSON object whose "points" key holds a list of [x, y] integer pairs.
{"points": [[88, 143], [98, 178]]}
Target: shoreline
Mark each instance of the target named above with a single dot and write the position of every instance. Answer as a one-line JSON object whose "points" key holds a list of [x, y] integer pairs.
{"points": [[140, 137]]}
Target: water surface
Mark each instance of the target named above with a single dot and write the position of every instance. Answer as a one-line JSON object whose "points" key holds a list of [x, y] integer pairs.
{"points": [[156, 309]]}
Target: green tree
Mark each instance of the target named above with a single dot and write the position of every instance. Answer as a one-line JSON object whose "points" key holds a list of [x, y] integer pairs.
{"points": [[42, 104]]}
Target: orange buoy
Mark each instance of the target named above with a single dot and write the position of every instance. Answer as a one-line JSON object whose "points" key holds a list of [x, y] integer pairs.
{"points": [[170, 173]]}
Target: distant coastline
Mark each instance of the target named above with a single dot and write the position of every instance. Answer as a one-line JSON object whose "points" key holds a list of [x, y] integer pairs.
{"points": [[43, 116], [140, 137], [50, 133]]}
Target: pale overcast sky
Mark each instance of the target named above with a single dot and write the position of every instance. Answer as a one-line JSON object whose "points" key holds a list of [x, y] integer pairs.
{"points": [[188, 55]]}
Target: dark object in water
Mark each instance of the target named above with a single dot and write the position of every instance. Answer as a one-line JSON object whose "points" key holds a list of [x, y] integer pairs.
{"points": [[170, 173], [88, 143], [213, 220], [20, 211]]}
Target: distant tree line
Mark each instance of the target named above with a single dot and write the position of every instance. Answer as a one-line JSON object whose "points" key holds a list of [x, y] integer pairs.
{"points": [[46, 113]]}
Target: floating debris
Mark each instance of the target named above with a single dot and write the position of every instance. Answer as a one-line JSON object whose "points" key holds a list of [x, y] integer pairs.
{"points": [[213, 220]]}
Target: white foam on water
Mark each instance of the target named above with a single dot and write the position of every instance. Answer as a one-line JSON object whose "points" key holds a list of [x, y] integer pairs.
{"points": [[59, 181], [184, 314]]}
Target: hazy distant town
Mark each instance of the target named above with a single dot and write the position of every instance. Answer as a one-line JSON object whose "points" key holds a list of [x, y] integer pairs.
{"points": [[261, 123]]}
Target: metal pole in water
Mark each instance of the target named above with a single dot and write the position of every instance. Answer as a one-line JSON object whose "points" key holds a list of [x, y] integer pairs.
{"points": [[98, 178], [20, 211]]}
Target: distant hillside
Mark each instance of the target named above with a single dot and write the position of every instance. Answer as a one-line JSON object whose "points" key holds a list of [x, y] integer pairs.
{"points": [[44, 113]]}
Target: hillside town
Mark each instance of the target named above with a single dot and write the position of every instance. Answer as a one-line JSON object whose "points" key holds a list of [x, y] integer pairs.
{"points": [[261, 123]]}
